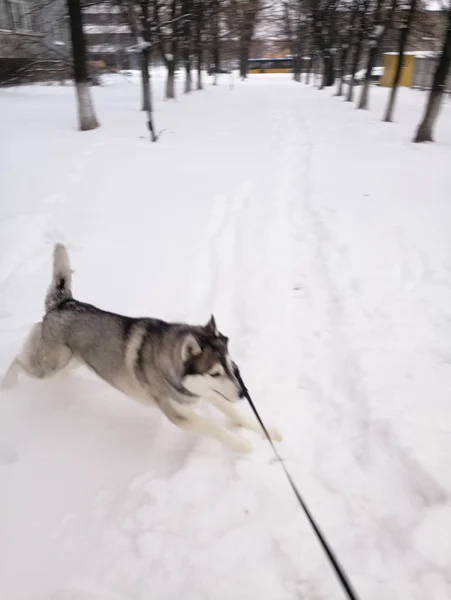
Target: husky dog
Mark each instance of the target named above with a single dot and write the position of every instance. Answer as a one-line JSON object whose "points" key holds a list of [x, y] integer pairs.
{"points": [[172, 365]]}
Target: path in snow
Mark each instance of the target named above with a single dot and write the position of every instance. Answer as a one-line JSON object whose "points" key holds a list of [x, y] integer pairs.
{"points": [[319, 238]]}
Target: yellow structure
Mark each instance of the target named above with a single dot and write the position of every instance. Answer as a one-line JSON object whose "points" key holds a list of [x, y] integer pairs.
{"points": [[390, 66], [271, 65], [255, 71]]}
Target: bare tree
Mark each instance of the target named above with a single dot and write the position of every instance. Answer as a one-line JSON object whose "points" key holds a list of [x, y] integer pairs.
{"points": [[246, 14], [168, 32], [199, 21], [404, 28], [145, 45], [86, 115], [424, 131], [214, 18], [382, 17], [187, 8], [324, 18], [293, 25], [358, 37], [344, 43]]}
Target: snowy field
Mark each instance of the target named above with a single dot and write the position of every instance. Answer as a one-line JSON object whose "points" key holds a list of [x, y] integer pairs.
{"points": [[320, 239]]}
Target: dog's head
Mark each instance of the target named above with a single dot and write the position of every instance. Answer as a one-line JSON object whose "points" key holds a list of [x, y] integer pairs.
{"points": [[208, 368]]}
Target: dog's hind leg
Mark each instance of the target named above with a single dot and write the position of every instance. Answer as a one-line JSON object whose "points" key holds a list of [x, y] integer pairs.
{"points": [[38, 358], [230, 410], [11, 375], [187, 418]]}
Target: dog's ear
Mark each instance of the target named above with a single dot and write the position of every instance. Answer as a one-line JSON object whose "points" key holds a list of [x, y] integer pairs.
{"points": [[211, 326], [190, 347]]}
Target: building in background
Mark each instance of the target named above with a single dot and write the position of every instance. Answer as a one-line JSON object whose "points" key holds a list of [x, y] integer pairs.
{"points": [[108, 37], [34, 39]]}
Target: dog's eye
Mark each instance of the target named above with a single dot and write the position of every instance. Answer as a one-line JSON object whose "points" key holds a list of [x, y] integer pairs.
{"points": [[216, 374]]}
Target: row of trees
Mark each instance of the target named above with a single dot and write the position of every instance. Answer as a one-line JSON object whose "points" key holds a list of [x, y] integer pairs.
{"points": [[180, 32], [339, 33], [332, 36]]}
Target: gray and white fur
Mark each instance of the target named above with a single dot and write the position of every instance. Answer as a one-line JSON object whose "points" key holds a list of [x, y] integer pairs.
{"points": [[172, 365]]}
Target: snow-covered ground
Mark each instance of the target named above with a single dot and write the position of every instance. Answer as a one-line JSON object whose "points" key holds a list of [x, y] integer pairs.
{"points": [[320, 238]]}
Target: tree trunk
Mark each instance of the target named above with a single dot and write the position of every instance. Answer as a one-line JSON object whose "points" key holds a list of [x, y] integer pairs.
{"points": [[355, 64], [328, 77], [146, 93], [216, 59], [199, 67], [145, 80], [170, 80], [297, 67], [297, 57], [309, 69], [199, 46], [188, 79], [244, 58], [341, 68], [346, 46], [364, 96], [424, 132], [391, 102], [405, 30], [86, 115], [373, 54], [144, 62], [187, 10]]}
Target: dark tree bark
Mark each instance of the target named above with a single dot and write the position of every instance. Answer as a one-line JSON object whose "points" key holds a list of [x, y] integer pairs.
{"points": [[328, 77], [293, 31], [170, 80], [170, 59], [145, 59], [355, 64], [375, 48], [248, 19], [424, 132], [187, 8], [140, 27], [343, 59], [359, 37], [216, 50], [199, 19], [404, 34], [244, 58], [86, 115], [345, 46], [172, 56], [145, 80], [323, 20], [309, 70]]}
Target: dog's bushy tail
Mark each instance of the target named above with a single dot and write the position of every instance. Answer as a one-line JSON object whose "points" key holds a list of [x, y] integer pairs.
{"points": [[61, 287]]}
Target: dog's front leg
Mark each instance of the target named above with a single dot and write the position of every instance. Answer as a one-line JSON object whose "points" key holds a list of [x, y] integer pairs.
{"points": [[186, 418], [230, 410]]}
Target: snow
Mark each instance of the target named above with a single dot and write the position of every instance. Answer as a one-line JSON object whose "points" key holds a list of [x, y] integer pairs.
{"points": [[319, 237]]}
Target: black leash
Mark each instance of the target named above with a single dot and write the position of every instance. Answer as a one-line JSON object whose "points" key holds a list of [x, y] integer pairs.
{"points": [[339, 571]]}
